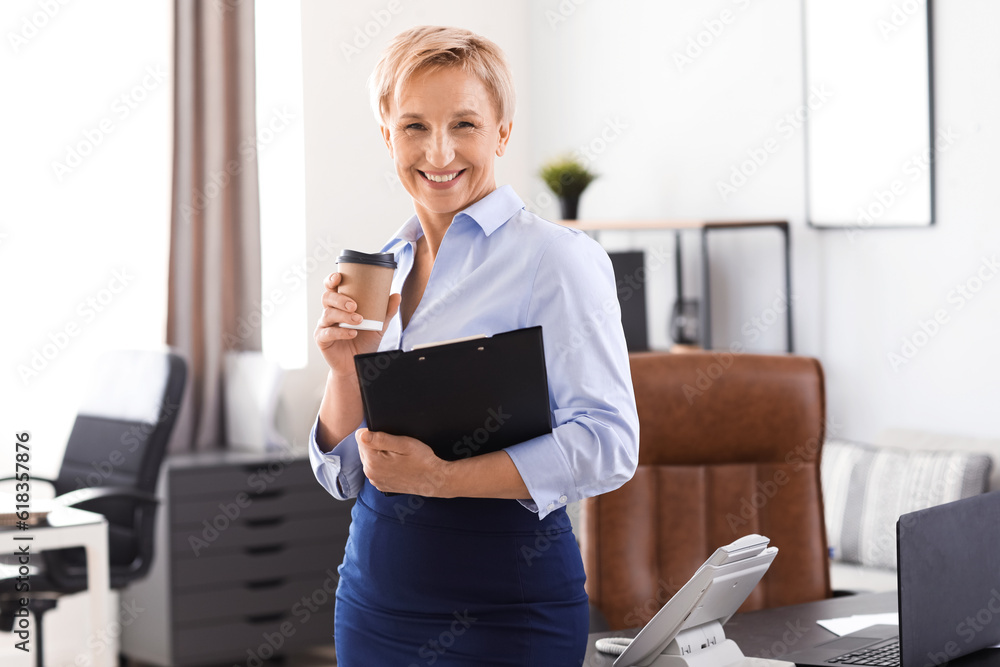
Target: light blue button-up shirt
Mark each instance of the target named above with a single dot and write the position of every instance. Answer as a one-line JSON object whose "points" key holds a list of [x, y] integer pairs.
{"points": [[500, 267]]}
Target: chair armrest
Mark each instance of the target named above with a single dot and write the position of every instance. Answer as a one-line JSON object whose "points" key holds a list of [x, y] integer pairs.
{"points": [[7, 484], [80, 496], [34, 478]]}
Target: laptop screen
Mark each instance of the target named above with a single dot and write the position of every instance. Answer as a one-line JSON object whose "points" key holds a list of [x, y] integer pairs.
{"points": [[949, 580]]}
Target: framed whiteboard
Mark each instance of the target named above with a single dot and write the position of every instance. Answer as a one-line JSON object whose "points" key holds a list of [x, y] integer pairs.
{"points": [[869, 127]]}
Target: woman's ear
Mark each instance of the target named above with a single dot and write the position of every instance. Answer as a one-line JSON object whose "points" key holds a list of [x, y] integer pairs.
{"points": [[387, 138], [504, 138]]}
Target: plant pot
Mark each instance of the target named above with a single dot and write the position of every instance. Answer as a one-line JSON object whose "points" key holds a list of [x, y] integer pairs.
{"points": [[569, 205]]}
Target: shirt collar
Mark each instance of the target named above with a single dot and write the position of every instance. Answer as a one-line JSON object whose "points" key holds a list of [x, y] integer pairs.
{"points": [[494, 209], [489, 213]]}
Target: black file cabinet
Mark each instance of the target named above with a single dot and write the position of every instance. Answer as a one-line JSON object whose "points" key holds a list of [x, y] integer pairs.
{"points": [[247, 549]]}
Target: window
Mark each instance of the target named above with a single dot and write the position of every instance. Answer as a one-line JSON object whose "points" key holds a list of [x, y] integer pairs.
{"points": [[281, 163], [84, 215]]}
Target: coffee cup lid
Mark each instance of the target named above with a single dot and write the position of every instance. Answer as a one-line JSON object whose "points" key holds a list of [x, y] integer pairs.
{"points": [[385, 259]]}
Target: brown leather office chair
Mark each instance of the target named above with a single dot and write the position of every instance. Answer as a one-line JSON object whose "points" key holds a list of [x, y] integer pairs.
{"points": [[728, 445]]}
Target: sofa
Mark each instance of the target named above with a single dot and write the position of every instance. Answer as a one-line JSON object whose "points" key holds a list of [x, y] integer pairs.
{"points": [[866, 486]]}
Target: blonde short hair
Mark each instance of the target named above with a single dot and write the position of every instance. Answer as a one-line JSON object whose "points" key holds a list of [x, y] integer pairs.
{"points": [[433, 47]]}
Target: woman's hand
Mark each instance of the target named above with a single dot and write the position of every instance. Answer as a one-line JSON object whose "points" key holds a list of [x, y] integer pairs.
{"points": [[400, 464], [339, 344]]}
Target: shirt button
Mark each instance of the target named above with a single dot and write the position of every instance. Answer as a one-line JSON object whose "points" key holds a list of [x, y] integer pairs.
{"points": [[562, 499], [551, 506]]}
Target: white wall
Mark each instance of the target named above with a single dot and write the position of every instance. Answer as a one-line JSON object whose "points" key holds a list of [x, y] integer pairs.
{"points": [[605, 72], [881, 286]]}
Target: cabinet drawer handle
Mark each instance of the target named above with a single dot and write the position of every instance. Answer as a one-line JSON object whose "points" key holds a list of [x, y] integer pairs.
{"points": [[266, 521], [266, 618], [265, 583], [273, 493], [270, 468], [266, 549]]}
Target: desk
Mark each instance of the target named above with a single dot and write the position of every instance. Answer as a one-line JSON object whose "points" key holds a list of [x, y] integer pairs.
{"points": [[70, 527], [771, 633]]}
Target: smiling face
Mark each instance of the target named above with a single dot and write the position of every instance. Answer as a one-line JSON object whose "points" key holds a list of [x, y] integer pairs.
{"points": [[444, 135]]}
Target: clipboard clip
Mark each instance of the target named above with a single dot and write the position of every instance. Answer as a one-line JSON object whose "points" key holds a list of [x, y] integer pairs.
{"points": [[447, 342]]}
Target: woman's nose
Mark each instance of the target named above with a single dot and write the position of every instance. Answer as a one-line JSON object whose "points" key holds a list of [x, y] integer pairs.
{"points": [[441, 151]]}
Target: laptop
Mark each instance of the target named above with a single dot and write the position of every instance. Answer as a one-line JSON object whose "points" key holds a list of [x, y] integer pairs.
{"points": [[948, 576]]}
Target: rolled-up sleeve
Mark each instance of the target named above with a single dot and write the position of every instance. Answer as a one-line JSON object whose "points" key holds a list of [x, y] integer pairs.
{"points": [[594, 444], [339, 471]]}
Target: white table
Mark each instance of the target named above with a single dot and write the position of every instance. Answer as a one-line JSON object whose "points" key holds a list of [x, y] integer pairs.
{"points": [[70, 527]]}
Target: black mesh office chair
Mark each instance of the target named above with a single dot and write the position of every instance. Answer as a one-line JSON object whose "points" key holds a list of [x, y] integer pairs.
{"points": [[110, 466]]}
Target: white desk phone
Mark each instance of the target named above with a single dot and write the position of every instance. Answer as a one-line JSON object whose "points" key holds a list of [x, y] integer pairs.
{"points": [[687, 631]]}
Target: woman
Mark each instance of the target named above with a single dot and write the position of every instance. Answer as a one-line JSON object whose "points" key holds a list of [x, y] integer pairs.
{"points": [[474, 562]]}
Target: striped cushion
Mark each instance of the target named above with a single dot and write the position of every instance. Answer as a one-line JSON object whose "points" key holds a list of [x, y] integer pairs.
{"points": [[866, 489]]}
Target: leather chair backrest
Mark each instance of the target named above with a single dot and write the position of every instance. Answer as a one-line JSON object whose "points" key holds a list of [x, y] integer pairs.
{"points": [[728, 445]]}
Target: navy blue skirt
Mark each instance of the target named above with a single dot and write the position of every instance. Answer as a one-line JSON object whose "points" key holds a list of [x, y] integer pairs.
{"points": [[465, 581]]}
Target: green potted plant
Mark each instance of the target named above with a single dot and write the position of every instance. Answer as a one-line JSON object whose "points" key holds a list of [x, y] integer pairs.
{"points": [[567, 177]]}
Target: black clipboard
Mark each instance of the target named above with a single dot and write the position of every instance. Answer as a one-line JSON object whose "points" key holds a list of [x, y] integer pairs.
{"points": [[463, 398]]}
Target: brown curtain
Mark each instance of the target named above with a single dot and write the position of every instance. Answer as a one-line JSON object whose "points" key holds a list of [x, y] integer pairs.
{"points": [[215, 234]]}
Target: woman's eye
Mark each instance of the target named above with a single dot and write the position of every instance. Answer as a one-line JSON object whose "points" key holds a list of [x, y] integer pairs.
{"points": [[414, 126], [465, 123]]}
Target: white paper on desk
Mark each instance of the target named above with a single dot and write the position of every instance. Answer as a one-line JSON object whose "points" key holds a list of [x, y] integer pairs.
{"points": [[847, 625]]}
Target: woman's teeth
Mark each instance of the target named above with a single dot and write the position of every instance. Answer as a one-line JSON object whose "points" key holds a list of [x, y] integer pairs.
{"points": [[441, 179]]}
